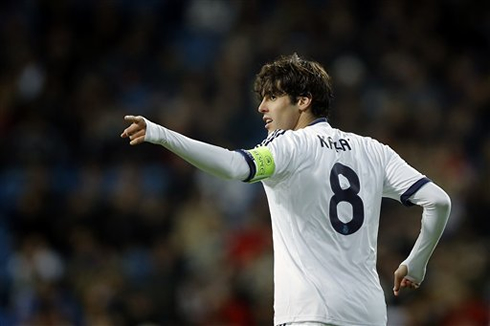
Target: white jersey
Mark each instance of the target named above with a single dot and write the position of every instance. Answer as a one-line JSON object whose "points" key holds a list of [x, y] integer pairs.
{"points": [[324, 188]]}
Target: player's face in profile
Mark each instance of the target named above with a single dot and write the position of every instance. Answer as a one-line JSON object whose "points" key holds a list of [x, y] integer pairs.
{"points": [[278, 112]]}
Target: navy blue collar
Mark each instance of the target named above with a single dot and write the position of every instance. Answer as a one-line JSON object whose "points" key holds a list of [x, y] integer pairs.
{"points": [[314, 122]]}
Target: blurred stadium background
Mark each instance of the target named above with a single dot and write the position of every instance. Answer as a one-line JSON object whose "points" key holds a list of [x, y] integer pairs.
{"points": [[95, 232]]}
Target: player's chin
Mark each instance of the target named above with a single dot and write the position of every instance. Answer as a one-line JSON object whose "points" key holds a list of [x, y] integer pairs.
{"points": [[270, 127]]}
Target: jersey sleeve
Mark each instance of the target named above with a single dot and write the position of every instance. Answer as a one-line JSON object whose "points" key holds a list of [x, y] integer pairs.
{"points": [[401, 180], [272, 158], [212, 159], [436, 209]]}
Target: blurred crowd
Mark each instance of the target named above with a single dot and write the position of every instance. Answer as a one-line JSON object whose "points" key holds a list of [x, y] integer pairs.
{"points": [[96, 232]]}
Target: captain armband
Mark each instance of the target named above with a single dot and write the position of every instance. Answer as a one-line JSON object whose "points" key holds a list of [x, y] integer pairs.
{"points": [[261, 164]]}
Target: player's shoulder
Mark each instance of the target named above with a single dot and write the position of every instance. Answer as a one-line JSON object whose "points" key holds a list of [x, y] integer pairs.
{"points": [[361, 139], [272, 137], [363, 143]]}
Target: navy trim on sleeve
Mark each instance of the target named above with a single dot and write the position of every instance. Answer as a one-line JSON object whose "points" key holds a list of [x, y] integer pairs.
{"points": [[404, 198], [250, 162]]}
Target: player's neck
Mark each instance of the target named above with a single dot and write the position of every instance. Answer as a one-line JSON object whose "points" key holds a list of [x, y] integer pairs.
{"points": [[305, 119]]}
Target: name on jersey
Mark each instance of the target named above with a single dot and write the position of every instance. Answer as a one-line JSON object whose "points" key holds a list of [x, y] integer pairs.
{"points": [[339, 145]]}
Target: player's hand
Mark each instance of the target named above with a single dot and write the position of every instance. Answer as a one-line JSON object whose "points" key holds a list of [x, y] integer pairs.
{"points": [[136, 131], [401, 281]]}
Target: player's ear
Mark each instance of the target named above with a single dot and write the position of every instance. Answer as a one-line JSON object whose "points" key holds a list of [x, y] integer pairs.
{"points": [[304, 102]]}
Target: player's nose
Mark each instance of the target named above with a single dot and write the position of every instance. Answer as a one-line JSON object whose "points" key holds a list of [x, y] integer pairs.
{"points": [[262, 107]]}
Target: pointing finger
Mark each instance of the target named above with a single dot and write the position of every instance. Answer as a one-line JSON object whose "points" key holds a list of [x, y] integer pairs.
{"points": [[134, 127], [132, 118]]}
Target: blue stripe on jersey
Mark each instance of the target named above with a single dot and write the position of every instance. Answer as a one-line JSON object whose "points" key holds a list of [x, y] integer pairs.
{"points": [[250, 162], [276, 133], [404, 198]]}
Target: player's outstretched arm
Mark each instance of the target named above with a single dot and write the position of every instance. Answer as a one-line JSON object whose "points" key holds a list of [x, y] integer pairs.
{"points": [[209, 158], [436, 206]]}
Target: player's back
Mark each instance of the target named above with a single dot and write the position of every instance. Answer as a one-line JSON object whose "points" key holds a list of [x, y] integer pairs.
{"points": [[325, 200]]}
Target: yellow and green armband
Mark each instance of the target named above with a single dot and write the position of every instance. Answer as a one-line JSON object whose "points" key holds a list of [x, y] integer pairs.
{"points": [[261, 163]]}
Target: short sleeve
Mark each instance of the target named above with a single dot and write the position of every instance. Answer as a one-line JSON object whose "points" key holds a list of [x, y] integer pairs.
{"points": [[401, 180]]}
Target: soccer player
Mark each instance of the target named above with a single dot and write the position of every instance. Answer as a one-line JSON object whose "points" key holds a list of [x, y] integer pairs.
{"points": [[324, 188]]}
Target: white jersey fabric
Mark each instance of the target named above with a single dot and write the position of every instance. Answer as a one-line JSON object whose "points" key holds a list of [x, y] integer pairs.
{"points": [[325, 199], [324, 188]]}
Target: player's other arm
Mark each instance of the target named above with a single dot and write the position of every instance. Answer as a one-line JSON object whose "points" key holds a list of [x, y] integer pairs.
{"points": [[212, 159], [436, 206]]}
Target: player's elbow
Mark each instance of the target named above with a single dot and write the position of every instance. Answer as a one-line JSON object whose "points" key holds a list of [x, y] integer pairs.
{"points": [[442, 202]]}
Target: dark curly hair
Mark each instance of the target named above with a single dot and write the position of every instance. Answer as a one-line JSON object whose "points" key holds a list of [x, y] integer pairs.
{"points": [[296, 77]]}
